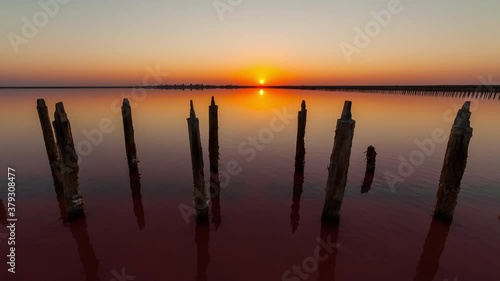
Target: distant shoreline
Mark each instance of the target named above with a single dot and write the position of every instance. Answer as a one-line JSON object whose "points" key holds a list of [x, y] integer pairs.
{"points": [[382, 88]]}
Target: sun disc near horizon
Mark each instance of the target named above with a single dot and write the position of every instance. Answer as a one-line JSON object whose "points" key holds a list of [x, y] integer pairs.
{"points": [[262, 81]]}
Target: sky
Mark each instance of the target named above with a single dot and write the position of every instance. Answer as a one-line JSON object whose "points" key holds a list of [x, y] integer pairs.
{"points": [[282, 42]]}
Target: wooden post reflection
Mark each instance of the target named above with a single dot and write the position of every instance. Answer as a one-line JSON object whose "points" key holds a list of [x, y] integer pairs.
{"points": [[298, 183], [88, 258], [135, 187], [434, 246], [327, 256], [202, 238]]}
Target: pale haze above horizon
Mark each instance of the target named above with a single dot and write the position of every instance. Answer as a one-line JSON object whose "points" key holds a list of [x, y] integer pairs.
{"points": [[282, 42]]}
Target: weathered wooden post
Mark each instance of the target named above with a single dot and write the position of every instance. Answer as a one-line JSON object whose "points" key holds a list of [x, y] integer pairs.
{"points": [[300, 150], [339, 165], [200, 196], [213, 132], [73, 201], [213, 148], [48, 134], [455, 161], [371, 158], [128, 128]]}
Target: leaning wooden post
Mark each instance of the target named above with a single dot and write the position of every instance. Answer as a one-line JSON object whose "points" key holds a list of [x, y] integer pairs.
{"points": [[300, 150], [339, 165], [454, 164], [200, 196], [213, 141], [48, 134], [128, 128], [73, 201]]}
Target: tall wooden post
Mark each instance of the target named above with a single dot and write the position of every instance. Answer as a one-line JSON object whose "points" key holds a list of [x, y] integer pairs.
{"points": [[128, 128], [339, 165], [213, 132], [455, 161], [48, 134], [300, 150], [73, 201], [200, 196]]}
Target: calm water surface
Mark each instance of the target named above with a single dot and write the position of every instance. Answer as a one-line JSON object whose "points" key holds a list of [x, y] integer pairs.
{"points": [[261, 233]]}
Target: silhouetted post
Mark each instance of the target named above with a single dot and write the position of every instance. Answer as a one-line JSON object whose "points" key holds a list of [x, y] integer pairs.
{"points": [[86, 251], [213, 141], [339, 165], [300, 151], [48, 134], [371, 158], [200, 196], [454, 164], [128, 128], [73, 201]]}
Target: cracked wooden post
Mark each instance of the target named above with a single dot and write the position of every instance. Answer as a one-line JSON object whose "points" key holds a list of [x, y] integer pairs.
{"points": [[200, 196], [48, 134], [128, 128], [455, 161], [300, 150], [73, 201], [339, 165]]}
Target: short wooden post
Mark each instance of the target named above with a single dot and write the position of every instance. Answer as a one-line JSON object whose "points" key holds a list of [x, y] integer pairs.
{"points": [[200, 196], [128, 128], [213, 132], [73, 201], [454, 164], [300, 150], [371, 158], [48, 134], [339, 165]]}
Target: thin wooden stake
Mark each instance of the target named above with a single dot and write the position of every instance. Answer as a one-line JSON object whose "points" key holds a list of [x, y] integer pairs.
{"points": [[200, 196], [128, 128], [213, 132], [73, 201], [300, 150], [454, 164], [339, 165]]}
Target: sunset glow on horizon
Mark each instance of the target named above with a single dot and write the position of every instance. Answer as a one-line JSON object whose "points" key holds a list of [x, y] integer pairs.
{"points": [[286, 43]]}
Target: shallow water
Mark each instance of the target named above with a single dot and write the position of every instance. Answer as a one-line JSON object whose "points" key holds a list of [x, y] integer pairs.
{"points": [[385, 234]]}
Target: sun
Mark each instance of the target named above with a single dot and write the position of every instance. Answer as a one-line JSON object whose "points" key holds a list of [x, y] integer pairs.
{"points": [[262, 81]]}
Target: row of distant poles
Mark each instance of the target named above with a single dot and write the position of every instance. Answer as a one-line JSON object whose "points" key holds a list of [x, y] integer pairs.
{"points": [[64, 159]]}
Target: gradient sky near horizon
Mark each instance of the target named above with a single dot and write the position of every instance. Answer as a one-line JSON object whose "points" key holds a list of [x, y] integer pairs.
{"points": [[282, 42]]}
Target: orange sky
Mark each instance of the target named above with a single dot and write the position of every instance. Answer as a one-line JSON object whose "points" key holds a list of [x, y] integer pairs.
{"points": [[297, 42]]}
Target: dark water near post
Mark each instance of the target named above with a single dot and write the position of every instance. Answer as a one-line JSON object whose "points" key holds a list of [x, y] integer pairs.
{"points": [[135, 225]]}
